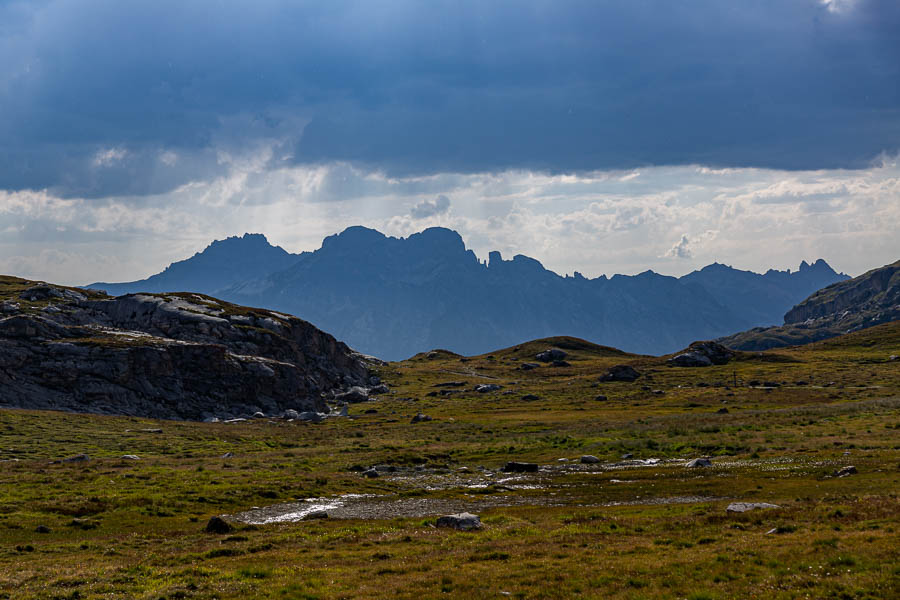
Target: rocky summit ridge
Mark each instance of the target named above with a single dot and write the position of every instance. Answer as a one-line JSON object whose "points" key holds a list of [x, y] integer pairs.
{"points": [[175, 356], [394, 297]]}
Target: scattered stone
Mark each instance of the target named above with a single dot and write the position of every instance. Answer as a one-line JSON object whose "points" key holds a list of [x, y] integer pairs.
{"points": [[42, 529], [316, 514], [379, 389], [520, 467], [722, 411], [560, 363], [531, 397], [419, 418], [699, 462], [370, 411], [657, 392], [550, 355], [76, 458], [894, 357], [83, 524], [771, 384], [529, 366], [130, 457], [461, 522], [371, 473], [228, 455], [259, 415], [627, 456], [312, 416], [9, 307], [588, 459], [702, 354], [447, 384], [218, 525], [432, 355], [484, 388], [690, 359], [354, 395], [621, 373], [740, 507], [846, 471], [600, 398], [291, 414]]}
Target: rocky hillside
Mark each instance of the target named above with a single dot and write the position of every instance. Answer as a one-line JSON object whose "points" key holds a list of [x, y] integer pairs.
{"points": [[870, 299], [180, 356]]}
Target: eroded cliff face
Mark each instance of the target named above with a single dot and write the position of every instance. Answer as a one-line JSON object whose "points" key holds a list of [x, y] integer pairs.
{"points": [[873, 295], [179, 356], [871, 299]]}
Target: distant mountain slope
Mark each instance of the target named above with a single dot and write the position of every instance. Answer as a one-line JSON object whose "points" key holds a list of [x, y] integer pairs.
{"points": [[394, 297], [763, 299], [870, 299], [222, 264]]}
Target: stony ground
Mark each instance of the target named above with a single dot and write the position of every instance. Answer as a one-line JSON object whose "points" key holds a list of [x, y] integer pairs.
{"points": [[776, 426]]}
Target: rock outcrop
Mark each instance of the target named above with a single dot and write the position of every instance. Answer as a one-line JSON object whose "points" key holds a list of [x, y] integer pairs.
{"points": [[176, 356], [871, 299], [702, 354]]}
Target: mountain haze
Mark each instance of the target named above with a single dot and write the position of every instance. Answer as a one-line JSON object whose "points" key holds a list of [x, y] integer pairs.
{"points": [[393, 297]]}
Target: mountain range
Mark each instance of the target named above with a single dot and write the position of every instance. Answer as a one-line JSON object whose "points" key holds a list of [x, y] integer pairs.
{"points": [[393, 297]]}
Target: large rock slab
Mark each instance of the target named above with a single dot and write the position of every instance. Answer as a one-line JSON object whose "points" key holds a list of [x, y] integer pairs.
{"points": [[171, 356]]}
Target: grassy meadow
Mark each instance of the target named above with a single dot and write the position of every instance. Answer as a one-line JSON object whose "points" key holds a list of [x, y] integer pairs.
{"points": [[776, 425]]}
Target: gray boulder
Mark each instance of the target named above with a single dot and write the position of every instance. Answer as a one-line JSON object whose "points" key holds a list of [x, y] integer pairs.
{"points": [[702, 354], [354, 395], [846, 471], [588, 459], [218, 525], [690, 359], [419, 418], [461, 522], [550, 355], [699, 462], [621, 373], [740, 507], [484, 388]]}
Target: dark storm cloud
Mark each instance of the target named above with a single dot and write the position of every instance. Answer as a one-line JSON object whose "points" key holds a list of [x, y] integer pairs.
{"points": [[107, 97]]}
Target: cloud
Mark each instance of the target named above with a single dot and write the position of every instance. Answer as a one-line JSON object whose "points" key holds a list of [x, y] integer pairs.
{"points": [[410, 89], [430, 208], [670, 219], [684, 248]]}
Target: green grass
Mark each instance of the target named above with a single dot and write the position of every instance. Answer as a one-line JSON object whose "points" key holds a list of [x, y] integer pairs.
{"points": [[134, 529]]}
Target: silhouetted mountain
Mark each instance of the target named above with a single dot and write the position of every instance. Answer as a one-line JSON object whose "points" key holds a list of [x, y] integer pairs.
{"points": [[763, 299], [221, 265], [871, 299], [394, 297]]}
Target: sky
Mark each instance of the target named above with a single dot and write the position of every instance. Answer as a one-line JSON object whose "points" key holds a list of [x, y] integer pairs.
{"points": [[597, 136]]}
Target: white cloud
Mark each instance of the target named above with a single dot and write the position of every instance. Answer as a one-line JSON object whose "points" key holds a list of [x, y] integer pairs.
{"points": [[430, 208], [109, 157], [670, 219]]}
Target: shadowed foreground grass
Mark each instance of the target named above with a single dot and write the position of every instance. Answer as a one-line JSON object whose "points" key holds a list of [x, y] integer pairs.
{"points": [[122, 528]]}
